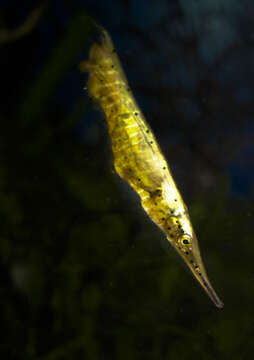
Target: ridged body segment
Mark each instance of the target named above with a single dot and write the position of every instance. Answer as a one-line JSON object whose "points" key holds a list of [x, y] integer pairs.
{"points": [[138, 158]]}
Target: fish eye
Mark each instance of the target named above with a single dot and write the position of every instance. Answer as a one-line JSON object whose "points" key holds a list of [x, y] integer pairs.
{"points": [[185, 240]]}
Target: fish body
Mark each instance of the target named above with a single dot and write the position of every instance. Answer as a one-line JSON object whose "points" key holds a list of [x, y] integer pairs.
{"points": [[138, 158]]}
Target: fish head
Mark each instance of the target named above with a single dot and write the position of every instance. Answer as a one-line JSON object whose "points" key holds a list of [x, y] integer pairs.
{"points": [[184, 240]]}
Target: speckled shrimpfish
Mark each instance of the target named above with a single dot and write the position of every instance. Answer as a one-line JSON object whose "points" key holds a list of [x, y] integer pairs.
{"points": [[138, 158]]}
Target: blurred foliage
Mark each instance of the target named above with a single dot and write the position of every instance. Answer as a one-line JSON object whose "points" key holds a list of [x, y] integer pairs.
{"points": [[7, 36], [83, 275]]}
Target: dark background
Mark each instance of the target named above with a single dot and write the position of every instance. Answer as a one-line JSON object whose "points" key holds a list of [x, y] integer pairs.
{"points": [[84, 273]]}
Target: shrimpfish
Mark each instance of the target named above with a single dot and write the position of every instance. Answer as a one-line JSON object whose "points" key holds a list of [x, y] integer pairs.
{"points": [[138, 158]]}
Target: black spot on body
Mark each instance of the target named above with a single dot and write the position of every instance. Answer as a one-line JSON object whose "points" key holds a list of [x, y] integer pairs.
{"points": [[155, 193]]}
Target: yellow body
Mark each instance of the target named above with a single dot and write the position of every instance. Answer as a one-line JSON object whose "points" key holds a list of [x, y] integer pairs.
{"points": [[138, 158]]}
